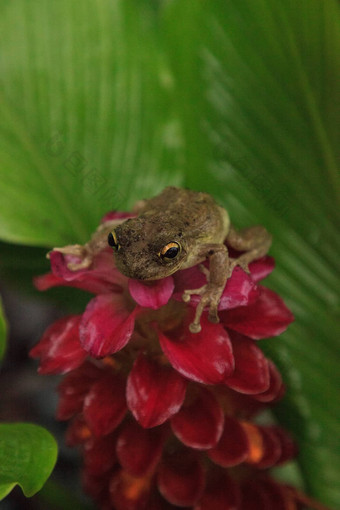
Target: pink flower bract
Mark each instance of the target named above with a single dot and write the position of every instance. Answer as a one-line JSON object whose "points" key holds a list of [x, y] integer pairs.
{"points": [[164, 415]]}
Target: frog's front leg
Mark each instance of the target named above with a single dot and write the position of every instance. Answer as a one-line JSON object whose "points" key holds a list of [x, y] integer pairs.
{"points": [[254, 241], [216, 280], [87, 252]]}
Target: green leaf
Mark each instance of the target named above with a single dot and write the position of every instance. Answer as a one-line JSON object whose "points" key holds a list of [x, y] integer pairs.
{"points": [[86, 116], [265, 77], [27, 456], [3, 332]]}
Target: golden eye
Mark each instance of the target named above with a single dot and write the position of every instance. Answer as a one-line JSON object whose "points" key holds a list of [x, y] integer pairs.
{"points": [[170, 251], [112, 240]]}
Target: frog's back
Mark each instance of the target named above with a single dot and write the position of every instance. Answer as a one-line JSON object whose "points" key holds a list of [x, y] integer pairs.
{"points": [[195, 213]]}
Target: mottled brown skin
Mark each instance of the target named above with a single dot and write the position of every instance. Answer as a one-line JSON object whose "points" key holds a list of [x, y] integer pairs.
{"points": [[197, 224], [186, 217]]}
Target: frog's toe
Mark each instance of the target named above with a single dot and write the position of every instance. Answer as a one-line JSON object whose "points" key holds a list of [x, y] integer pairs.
{"points": [[84, 264], [213, 315], [205, 271], [245, 267], [195, 328], [210, 297], [186, 297], [79, 251], [187, 293]]}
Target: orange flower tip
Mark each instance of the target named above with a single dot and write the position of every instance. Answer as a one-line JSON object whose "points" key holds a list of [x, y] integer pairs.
{"points": [[256, 450], [133, 487], [109, 362], [84, 433]]}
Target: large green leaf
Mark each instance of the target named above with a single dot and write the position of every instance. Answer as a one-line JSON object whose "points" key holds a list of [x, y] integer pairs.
{"points": [[265, 76], [27, 457], [3, 330], [86, 116]]}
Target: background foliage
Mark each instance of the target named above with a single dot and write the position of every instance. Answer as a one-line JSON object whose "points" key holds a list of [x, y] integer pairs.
{"points": [[106, 102]]}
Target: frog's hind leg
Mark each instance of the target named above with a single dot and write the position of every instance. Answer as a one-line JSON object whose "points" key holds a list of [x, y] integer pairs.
{"points": [[211, 292], [254, 241], [210, 296], [139, 206]]}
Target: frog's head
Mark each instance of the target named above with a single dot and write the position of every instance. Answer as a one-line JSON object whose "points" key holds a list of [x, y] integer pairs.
{"points": [[147, 247]]}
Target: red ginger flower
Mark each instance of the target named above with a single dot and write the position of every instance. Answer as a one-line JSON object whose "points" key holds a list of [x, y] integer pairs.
{"points": [[163, 415]]}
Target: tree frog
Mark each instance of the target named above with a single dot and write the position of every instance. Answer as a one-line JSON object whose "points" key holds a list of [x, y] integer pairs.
{"points": [[175, 230]]}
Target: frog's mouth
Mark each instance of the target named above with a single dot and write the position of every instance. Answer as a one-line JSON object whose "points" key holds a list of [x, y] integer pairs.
{"points": [[146, 273], [162, 272]]}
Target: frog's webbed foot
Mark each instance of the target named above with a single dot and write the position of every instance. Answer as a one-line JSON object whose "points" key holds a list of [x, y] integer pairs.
{"points": [[210, 296], [240, 262], [77, 250], [211, 292], [188, 293]]}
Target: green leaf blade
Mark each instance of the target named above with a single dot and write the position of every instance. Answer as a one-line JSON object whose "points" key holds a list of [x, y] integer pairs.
{"points": [[3, 332], [86, 116], [27, 456], [270, 110]]}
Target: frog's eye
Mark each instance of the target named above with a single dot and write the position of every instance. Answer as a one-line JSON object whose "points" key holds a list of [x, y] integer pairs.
{"points": [[112, 240], [170, 251]]}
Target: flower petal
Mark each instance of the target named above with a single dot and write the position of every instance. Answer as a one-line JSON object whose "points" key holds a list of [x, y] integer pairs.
{"points": [[255, 441], [105, 404], [156, 502], [261, 268], [255, 498], [276, 387], [47, 281], [251, 373], [139, 449], [154, 391], [221, 493], [271, 448], [116, 215], [100, 454], [181, 479], [59, 349], [268, 316], [77, 432], [152, 294], [277, 495], [74, 388], [289, 448], [96, 486], [233, 447], [128, 492], [204, 357], [199, 424], [240, 289], [100, 278], [106, 325], [191, 278]]}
